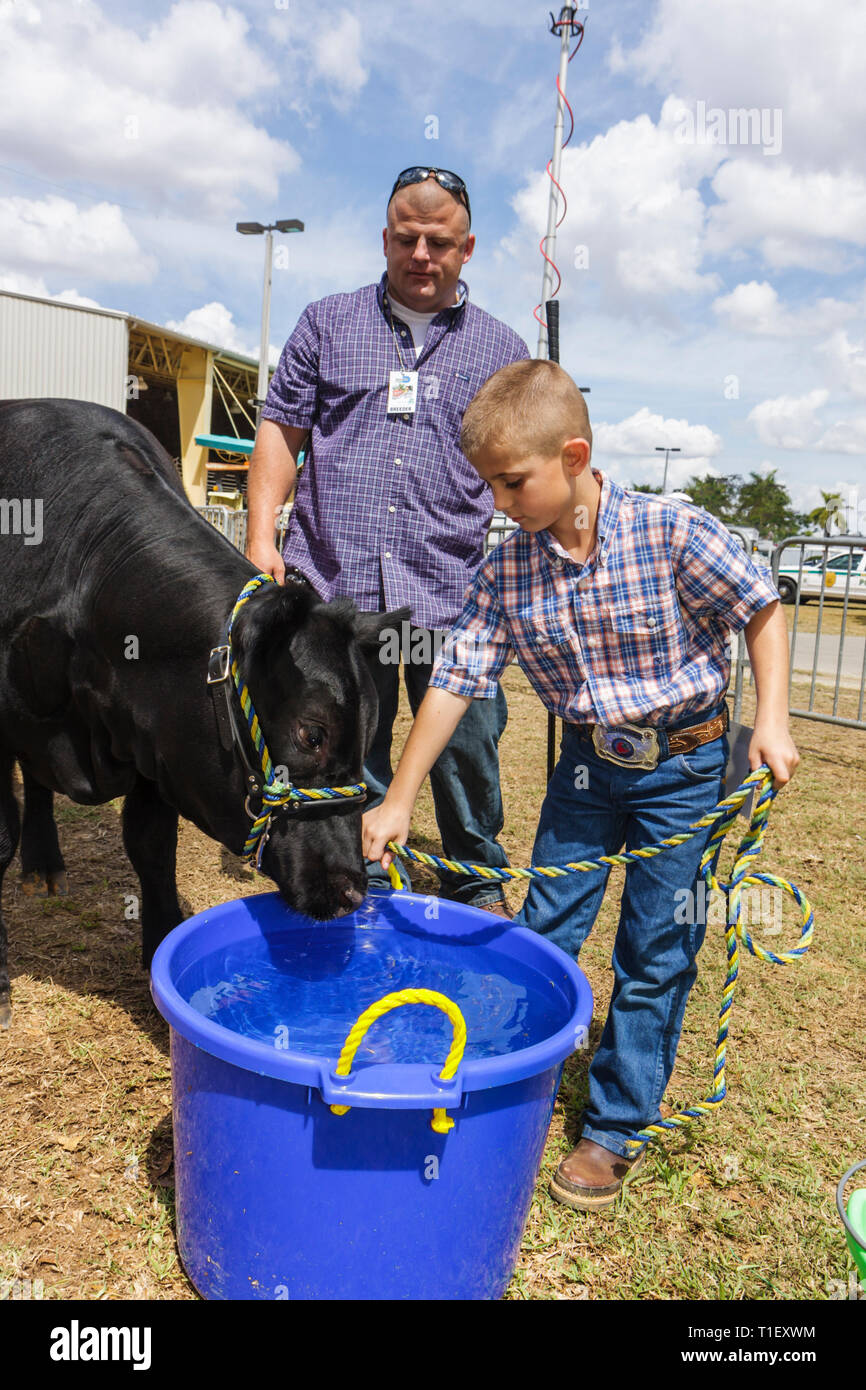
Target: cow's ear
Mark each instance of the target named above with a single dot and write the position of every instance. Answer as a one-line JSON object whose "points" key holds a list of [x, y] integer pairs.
{"points": [[370, 626], [271, 618]]}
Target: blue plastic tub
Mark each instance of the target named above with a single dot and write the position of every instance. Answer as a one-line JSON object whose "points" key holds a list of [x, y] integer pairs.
{"points": [[278, 1197]]}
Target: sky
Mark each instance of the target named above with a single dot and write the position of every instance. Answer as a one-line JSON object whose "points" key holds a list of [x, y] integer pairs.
{"points": [[711, 252]]}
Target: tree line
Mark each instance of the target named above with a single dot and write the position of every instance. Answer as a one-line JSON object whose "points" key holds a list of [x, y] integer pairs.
{"points": [[761, 502]]}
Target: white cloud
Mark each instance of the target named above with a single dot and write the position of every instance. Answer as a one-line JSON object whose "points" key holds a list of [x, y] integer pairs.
{"points": [[627, 450], [751, 308], [790, 422], [844, 437], [16, 283], [641, 432], [634, 202], [52, 234], [214, 323], [847, 362], [755, 308], [160, 114], [779, 55], [795, 218], [337, 55], [807, 206]]}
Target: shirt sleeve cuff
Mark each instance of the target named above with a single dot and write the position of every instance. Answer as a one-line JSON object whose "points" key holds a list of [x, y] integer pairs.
{"points": [[286, 417], [743, 612], [476, 687]]}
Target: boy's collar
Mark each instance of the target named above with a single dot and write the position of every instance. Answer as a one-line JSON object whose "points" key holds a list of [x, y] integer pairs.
{"points": [[608, 511]]}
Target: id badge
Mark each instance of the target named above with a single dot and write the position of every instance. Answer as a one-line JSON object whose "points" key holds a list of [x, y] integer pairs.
{"points": [[402, 392]]}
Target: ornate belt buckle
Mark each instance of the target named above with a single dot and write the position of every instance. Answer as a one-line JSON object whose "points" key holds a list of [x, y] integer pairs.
{"points": [[627, 745]]}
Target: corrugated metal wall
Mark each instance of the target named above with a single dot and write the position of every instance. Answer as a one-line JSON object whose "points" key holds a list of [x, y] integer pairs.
{"points": [[49, 349]]}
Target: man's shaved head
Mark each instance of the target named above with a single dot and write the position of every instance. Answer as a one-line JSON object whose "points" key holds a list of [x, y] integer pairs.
{"points": [[427, 199]]}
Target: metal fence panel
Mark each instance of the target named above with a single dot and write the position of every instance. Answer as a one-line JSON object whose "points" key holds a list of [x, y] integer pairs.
{"points": [[837, 660], [500, 529]]}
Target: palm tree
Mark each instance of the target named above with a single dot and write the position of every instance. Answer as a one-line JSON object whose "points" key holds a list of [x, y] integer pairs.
{"points": [[830, 514]]}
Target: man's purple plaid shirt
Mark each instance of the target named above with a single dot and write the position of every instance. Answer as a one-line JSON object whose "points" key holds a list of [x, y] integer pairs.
{"points": [[387, 504]]}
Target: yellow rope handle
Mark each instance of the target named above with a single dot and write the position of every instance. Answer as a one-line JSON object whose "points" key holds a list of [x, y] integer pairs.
{"points": [[440, 1122]]}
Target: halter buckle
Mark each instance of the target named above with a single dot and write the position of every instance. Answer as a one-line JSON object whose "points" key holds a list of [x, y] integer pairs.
{"points": [[218, 665]]}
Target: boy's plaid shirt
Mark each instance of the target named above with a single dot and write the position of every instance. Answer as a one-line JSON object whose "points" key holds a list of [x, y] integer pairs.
{"points": [[638, 634]]}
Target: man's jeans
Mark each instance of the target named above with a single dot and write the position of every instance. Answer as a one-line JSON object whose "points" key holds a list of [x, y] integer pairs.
{"points": [[594, 807], [464, 779]]}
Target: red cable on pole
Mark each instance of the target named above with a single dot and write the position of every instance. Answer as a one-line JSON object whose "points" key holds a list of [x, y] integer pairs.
{"points": [[575, 24]]}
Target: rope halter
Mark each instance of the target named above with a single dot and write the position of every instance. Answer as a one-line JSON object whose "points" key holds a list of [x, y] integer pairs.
{"points": [[277, 797]]}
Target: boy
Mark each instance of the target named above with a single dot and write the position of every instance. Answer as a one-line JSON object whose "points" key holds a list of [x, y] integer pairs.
{"points": [[617, 606]]}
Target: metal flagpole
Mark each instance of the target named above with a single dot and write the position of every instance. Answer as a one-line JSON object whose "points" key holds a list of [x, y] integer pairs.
{"points": [[548, 341], [262, 388], [565, 25]]}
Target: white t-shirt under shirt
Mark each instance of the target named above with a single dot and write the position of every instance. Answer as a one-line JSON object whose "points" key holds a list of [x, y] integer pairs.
{"points": [[415, 322]]}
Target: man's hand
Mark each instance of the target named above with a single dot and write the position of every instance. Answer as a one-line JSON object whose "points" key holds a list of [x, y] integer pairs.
{"points": [[775, 747], [267, 559], [273, 470], [388, 821]]}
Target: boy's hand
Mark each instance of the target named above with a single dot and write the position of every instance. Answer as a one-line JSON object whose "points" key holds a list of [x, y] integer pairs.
{"points": [[389, 821], [776, 748]]}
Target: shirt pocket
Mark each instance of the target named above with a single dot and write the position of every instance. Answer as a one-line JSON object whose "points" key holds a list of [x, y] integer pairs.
{"points": [[543, 633], [646, 639]]}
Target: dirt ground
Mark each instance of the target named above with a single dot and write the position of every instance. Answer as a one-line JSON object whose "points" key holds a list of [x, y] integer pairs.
{"points": [[739, 1207]]}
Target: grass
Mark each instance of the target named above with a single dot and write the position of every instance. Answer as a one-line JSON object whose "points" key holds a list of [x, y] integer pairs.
{"points": [[831, 617], [740, 1207]]}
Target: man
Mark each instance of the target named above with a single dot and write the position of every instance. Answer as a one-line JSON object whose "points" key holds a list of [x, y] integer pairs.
{"points": [[388, 511]]}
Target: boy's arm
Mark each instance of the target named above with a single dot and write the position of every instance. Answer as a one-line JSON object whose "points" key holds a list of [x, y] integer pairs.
{"points": [[439, 714], [767, 642]]}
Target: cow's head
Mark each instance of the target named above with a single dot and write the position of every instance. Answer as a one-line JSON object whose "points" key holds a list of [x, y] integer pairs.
{"points": [[306, 665]]}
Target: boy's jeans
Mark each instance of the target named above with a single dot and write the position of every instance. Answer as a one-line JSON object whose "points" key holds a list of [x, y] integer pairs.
{"points": [[464, 781], [594, 807]]}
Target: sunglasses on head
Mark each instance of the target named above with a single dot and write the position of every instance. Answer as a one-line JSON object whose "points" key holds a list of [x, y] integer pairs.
{"points": [[452, 183]]}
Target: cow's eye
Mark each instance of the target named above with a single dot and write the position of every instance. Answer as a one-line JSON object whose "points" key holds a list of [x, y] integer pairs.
{"points": [[311, 736]]}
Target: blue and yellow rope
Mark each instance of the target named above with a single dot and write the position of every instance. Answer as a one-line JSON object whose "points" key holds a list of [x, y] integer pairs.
{"points": [[275, 793], [751, 845]]}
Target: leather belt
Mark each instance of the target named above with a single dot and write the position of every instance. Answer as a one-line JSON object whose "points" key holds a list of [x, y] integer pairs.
{"points": [[633, 745]]}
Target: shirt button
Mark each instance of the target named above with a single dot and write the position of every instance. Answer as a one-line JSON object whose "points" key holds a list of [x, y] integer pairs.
{"points": [[398, 462], [392, 509], [650, 622], [387, 554]]}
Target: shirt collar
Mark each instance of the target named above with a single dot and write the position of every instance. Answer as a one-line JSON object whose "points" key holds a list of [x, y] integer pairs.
{"points": [[608, 514], [383, 301]]}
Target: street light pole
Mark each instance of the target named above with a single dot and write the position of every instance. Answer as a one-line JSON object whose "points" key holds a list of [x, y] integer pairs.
{"points": [[256, 229], [262, 385], [667, 450]]}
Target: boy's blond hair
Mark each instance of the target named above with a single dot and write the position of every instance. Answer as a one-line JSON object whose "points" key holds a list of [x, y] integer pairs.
{"points": [[528, 407]]}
